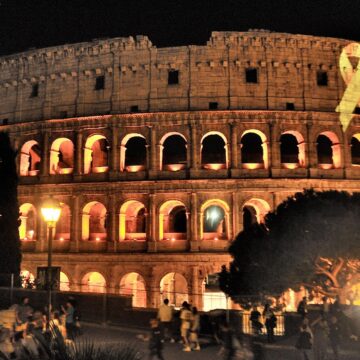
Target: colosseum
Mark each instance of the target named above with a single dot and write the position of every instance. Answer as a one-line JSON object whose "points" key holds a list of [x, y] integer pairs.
{"points": [[160, 156]]}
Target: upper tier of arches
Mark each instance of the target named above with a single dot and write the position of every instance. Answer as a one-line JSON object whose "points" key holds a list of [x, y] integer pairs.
{"points": [[220, 150]]}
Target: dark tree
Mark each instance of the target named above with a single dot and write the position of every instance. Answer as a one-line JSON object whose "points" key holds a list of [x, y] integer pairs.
{"points": [[10, 254], [312, 239]]}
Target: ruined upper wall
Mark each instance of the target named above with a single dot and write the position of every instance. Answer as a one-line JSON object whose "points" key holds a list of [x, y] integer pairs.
{"points": [[61, 81]]}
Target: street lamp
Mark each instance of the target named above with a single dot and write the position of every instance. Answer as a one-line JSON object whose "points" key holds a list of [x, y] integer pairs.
{"points": [[50, 211]]}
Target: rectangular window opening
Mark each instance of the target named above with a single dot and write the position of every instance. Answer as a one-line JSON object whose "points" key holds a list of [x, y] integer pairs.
{"points": [[5, 121], [290, 106], [134, 108], [251, 76], [100, 82], [322, 78], [63, 114], [173, 77], [213, 105], [34, 90], [357, 110]]}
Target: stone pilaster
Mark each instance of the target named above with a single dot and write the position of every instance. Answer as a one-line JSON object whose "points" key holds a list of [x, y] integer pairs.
{"points": [[75, 234], [78, 153], [45, 155], [194, 240]]}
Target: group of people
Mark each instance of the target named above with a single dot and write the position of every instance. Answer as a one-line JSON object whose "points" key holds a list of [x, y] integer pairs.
{"points": [[267, 319], [29, 325], [327, 329], [162, 328]]}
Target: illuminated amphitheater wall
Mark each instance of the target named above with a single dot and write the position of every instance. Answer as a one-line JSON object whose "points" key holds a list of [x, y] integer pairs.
{"points": [[161, 156]]}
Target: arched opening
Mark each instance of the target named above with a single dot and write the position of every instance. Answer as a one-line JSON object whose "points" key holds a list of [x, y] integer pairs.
{"points": [[133, 153], [214, 154], [30, 159], [213, 297], [64, 282], [173, 152], [62, 156], [94, 222], [28, 218], [96, 154], [355, 150], [63, 225], [328, 151], [215, 220], [27, 279], [172, 221], [292, 150], [254, 150], [254, 211], [93, 282], [133, 284], [173, 286], [249, 216], [132, 221]]}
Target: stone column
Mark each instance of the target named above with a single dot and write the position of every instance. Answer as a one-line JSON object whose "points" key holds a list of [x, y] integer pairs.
{"points": [[235, 213], [112, 222], [311, 148], [152, 292], [347, 152], [153, 149], [45, 155], [75, 235], [115, 160], [78, 153], [234, 147], [195, 164], [41, 230], [195, 288], [275, 147], [152, 240], [194, 239]]}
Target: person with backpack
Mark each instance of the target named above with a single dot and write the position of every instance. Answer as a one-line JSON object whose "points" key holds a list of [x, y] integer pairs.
{"points": [[185, 317], [256, 324], [270, 323], [195, 329], [302, 307], [304, 343], [155, 341]]}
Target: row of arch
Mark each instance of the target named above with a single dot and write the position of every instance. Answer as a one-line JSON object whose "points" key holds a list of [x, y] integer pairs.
{"points": [[174, 154], [172, 286], [133, 219]]}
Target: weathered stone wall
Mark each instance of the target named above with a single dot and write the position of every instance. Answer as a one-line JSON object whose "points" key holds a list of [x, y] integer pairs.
{"points": [[136, 75]]}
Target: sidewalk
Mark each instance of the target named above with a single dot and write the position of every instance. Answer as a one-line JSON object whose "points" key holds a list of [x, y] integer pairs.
{"points": [[282, 349]]}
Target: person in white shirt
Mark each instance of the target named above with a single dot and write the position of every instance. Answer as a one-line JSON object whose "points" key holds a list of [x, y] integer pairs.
{"points": [[165, 316]]}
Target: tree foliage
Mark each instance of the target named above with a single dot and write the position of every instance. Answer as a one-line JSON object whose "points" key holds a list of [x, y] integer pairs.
{"points": [[312, 239], [10, 255]]}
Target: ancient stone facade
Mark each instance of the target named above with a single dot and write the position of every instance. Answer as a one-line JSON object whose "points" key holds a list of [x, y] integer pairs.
{"points": [[161, 156]]}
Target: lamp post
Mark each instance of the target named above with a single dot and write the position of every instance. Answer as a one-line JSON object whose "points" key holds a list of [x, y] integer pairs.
{"points": [[50, 211]]}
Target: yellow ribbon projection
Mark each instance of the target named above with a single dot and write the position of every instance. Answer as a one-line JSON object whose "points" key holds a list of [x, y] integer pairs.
{"points": [[351, 76]]}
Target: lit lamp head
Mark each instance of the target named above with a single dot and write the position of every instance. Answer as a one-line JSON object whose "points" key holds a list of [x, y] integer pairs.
{"points": [[51, 211]]}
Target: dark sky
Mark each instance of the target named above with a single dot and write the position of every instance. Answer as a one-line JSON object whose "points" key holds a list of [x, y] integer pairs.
{"points": [[38, 23]]}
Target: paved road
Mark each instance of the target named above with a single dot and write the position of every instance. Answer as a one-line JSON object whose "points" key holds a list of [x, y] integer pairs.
{"points": [[282, 350]]}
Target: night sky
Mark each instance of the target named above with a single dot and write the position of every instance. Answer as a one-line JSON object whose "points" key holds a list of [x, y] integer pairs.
{"points": [[38, 23]]}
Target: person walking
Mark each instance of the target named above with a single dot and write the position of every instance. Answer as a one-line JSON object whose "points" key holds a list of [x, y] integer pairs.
{"points": [[185, 317], [227, 337], [256, 324], [165, 316], [302, 307], [195, 329], [304, 343], [270, 323], [155, 343], [320, 338], [69, 320], [334, 336]]}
